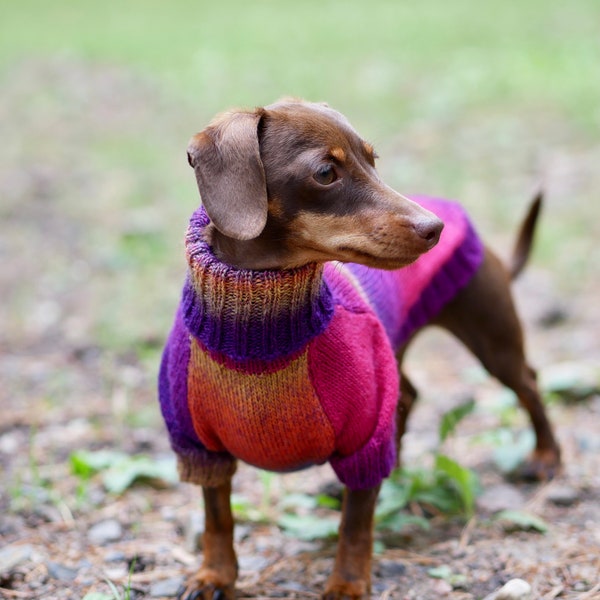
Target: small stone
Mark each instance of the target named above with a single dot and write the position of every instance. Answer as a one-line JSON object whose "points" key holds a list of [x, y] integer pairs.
{"points": [[292, 586], [253, 563], [105, 531], [241, 532], [515, 589], [562, 495], [116, 572], [442, 588], [115, 556], [60, 572], [553, 315], [390, 569], [166, 588], [500, 497], [12, 556]]}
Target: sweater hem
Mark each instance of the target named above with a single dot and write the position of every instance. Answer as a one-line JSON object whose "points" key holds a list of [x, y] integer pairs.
{"points": [[207, 472]]}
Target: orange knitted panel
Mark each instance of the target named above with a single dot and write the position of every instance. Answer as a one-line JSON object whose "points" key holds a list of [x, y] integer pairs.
{"points": [[272, 420]]}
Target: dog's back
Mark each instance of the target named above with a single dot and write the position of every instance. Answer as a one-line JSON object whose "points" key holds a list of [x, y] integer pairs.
{"points": [[407, 299]]}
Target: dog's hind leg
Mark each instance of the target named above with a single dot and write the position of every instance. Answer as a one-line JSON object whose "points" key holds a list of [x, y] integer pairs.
{"points": [[484, 318], [408, 397]]}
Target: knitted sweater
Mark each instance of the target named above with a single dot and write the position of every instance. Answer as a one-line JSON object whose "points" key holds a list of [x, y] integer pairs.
{"points": [[285, 369]]}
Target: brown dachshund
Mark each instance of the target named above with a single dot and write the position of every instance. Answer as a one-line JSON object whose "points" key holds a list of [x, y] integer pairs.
{"points": [[282, 358]]}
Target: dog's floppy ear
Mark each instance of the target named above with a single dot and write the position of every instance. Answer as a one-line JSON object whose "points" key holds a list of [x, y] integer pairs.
{"points": [[230, 174]]}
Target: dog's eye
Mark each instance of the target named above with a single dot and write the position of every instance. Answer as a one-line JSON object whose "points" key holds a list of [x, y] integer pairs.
{"points": [[325, 175]]}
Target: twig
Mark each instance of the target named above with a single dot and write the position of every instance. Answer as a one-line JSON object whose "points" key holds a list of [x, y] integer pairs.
{"points": [[592, 594], [535, 503], [465, 536], [388, 593], [14, 593], [554, 592]]}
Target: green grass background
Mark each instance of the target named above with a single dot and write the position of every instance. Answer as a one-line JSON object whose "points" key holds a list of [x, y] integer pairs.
{"points": [[480, 101], [383, 59]]}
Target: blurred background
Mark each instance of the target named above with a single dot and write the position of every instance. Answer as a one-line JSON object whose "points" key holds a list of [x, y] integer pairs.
{"points": [[98, 100], [482, 102]]}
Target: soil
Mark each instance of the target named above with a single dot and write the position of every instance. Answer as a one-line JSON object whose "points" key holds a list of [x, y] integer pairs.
{"points": [[64, 536]]}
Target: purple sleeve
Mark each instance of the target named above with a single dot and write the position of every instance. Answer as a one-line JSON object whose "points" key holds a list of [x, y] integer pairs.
{"points": [[196, 463]]}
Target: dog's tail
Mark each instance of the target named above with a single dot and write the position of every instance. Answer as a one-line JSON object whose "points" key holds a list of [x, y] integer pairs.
{"points": [[524, 243]]}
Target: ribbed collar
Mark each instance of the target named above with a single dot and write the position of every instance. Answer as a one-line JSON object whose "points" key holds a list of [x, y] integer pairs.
{"points": [[247, 314]]}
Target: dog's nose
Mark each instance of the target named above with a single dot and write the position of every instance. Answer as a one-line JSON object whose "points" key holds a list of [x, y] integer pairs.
{"points": [[430, 230]]}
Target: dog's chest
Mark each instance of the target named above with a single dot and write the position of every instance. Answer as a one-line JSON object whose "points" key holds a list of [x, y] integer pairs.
{"points": [[298, 410], [270, 417]]}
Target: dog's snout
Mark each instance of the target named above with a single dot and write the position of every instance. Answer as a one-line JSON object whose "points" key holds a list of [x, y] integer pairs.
{"points": [[430, 230]]}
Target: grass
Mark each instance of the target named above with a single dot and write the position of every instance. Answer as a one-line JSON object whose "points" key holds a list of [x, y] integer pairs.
{"points": [[465, 100], [381, 55]]}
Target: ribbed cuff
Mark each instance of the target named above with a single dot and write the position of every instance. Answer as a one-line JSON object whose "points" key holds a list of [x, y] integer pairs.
{"points": [[209, 472], [367, 467]]}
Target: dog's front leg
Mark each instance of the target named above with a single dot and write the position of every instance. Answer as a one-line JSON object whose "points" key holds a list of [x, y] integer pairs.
{"points": [[216, 578], [351, 577]]}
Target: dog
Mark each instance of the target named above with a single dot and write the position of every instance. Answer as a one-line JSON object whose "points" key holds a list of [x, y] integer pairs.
{"points": [[308, 278]]}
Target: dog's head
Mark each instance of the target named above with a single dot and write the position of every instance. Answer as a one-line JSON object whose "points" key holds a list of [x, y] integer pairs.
{"points": [[293, 183]]}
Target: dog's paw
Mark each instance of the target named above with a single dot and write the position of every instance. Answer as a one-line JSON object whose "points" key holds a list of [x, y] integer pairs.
{"points": [[540, 466], [338, 589], [206, 585]]}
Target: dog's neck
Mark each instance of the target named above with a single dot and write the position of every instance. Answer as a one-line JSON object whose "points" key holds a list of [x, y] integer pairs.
{"points": [[250, 314]]}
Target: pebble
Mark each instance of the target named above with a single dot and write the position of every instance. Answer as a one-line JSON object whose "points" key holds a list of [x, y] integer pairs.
{"points": [[390, 569], [241, 533], [292, 586], [166, 588], [115, 556], [442, 588], [562, 495], [572, 381], [12, 556], [253, 563], [105, 531], [61, 572], [515, 589], [500, 497]]}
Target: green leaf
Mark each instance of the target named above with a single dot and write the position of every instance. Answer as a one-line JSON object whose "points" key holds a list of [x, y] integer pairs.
{"points": [[441, 572], [98, 596], [400, 520], [453, 417], [294, 501], [519, 520], [510, 454], [309, 527], [85, 463], [464, 480], [393, 497], [120, 471], [325, 501], [244, 510], [445, 572], [572, 381], [114, 590], [131, 469]]}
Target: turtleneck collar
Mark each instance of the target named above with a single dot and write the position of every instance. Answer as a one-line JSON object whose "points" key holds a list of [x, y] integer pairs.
{"points": [[247, 314]]}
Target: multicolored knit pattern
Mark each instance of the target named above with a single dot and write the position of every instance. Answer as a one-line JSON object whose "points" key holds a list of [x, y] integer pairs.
{"points": [[285, 369]]}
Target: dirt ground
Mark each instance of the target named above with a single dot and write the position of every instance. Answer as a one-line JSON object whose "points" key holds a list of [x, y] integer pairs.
{"points": [[65, 537]]}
